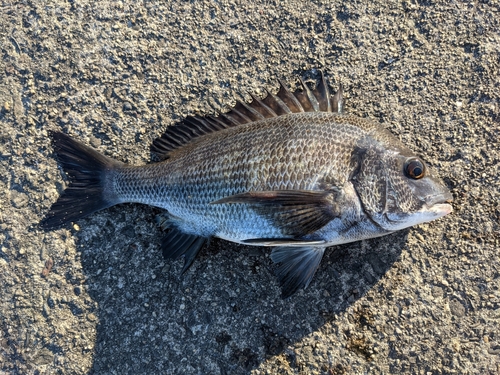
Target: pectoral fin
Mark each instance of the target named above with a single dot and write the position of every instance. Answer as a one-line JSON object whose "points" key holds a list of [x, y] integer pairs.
{"points": [[296, 212], [297, 266]]}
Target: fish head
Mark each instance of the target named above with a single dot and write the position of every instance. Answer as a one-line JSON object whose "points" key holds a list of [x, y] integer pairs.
{"points": [[396, 188]]}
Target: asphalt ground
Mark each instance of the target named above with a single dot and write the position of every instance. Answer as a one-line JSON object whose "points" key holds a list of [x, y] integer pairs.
{"points": [[98, 298]]}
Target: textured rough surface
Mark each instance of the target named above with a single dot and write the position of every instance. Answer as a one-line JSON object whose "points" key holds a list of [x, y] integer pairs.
{"points": [[99, 298]]}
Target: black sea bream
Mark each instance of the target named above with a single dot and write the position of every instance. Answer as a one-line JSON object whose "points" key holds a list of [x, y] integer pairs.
{"points": [[290, 171]]}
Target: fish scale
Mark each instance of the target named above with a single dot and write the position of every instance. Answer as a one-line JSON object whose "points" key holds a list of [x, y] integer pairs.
{"points": [[189, 181], [288, 171]]}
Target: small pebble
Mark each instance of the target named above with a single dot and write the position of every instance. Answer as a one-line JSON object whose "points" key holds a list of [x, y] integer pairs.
{"points": [[48, 267], [91, 317]]}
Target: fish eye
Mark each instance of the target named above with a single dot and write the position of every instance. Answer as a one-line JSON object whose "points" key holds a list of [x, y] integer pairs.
{"points": [[414, 168]]}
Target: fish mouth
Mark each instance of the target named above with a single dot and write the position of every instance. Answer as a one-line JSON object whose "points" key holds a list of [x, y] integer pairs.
{"points": [[439, 204], [441, 209]]}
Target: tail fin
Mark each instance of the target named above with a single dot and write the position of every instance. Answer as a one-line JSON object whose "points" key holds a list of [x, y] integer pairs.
{"points": [[88, 171]]}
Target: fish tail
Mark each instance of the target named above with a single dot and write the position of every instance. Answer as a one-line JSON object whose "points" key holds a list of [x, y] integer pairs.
{"points": [[89, 188]]}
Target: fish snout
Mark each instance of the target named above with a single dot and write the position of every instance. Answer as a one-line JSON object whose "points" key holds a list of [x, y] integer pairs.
{"points": [[440, 203], [444, 197]]}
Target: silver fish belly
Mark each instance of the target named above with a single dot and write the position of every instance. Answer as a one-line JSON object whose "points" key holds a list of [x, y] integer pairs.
{"points": [[288, 171]]}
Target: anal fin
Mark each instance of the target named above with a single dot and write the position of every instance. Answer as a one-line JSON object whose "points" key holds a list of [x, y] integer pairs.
{"points": [[297, 266], [176, 244]]}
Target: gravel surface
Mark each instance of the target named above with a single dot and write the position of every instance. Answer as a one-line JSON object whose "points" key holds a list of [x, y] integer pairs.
{"points": [[98, 298]]}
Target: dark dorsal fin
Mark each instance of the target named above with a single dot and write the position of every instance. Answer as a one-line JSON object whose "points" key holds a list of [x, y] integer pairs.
{"points": [[284, 102]]}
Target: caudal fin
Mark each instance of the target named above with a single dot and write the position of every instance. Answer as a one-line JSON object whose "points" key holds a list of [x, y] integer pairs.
{"points": [[88, 171]]}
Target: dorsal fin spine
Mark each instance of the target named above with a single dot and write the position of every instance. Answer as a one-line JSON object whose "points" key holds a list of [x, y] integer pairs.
{"points": [[282, 106], [197, 130], [284, 102], [228, 117], [256, 114], [240, 113], [288, 95], [310, 95], [174, 137], [323, 95], [216, 122], [338, 100], [182, 132], [200, 124], [327, 93], [264, 105], [206, 125]]}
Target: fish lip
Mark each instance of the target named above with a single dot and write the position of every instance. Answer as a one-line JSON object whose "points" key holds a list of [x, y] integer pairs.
{"points": [[437, 199], [441, 209], [439, 204]]}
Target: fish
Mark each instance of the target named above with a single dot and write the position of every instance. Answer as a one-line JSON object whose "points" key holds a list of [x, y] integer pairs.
{"points": [[291, 171]]}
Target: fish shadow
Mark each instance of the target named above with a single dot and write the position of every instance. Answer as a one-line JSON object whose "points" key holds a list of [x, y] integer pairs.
{"points": [[225, 315]]}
